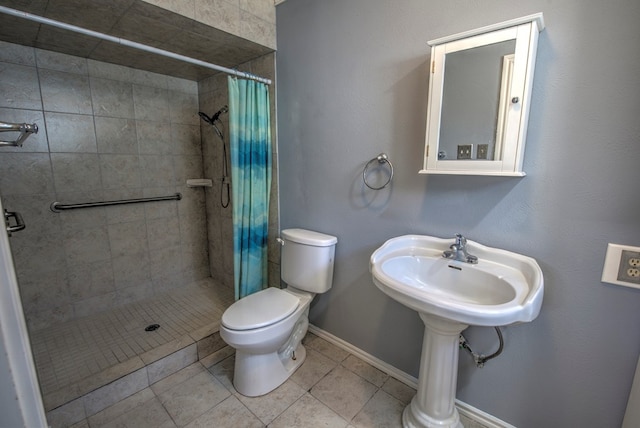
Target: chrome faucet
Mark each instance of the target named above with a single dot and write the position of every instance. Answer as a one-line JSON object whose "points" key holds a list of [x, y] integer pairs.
{"points": [[458, 251]]}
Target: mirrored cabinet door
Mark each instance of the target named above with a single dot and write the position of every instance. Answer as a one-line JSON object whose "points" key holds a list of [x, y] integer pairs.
{"points": [[479, 97]]}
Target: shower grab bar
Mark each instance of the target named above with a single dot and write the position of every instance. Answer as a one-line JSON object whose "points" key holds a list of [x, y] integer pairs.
{"points": [[19, 222], [57, 207], [24, 129]]}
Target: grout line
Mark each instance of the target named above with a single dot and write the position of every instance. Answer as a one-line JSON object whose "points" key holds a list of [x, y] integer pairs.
{"points": [[403, 377], [475, 414], [72, 351]]}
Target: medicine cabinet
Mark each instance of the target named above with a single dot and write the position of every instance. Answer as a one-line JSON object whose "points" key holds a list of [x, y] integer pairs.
{"points": [[479, 96]]}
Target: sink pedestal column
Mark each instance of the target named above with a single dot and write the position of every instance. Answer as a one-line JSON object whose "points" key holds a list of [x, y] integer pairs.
{"points": [[434, 404]]}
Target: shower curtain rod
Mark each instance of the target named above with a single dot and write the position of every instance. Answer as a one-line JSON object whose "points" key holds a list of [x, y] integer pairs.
{"points": [[129, 43]]}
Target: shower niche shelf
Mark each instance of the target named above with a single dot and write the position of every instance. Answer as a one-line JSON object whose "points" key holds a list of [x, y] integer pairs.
{"points": [[199, 182]]}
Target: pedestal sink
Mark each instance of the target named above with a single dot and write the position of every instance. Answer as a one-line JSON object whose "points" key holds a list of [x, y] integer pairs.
{"points": [[502, 288]]}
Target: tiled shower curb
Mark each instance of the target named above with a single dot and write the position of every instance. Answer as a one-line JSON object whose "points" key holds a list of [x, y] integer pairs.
{"points": [[94, 394]]}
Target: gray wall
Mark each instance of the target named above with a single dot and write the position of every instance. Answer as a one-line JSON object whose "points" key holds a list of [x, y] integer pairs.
{"points": [[352, 82]]}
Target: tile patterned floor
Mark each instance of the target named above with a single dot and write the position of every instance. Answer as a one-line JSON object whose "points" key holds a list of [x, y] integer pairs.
{"points": [[69, 352], [331, 389]]}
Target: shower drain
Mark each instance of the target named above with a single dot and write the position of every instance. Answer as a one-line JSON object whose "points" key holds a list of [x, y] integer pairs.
{"points": [[152, 327]]}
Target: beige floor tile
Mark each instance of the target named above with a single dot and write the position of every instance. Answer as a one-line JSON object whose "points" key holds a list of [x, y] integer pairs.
{"points": [[344, 392], [365, 370], [173, 363], [148, 415], [67, 414], [325, 348], [102, 418], [315, 367], [381, 411], [178, 377], [214, 358], [193, 397], [228, 414], [308, 412], [223, 371], [269, 406], [342, 396], [81, 355], [399, 390], [109, 375], [114, 392]]}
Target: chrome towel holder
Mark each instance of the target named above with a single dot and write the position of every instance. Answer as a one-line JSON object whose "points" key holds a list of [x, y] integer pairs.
{"points": [[382, 158], [24, 129]]}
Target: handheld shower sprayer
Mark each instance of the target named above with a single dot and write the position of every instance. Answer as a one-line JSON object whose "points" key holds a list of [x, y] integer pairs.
{"points": [[225, 169], [216, 116], [223, 110]]}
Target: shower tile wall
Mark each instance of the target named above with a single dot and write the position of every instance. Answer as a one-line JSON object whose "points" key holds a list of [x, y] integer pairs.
{"points": [[106, 132], [253, 20], [213, 95]]}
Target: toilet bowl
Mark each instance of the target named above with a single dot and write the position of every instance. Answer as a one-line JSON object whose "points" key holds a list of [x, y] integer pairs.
{"points": [[266, 356], [266, 328]]}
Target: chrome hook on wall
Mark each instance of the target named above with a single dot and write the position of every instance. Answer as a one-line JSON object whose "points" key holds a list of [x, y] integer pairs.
{"points": [[382, 158]]}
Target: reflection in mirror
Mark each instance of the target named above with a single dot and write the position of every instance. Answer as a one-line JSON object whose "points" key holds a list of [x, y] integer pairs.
{"points": [[475, 95]]}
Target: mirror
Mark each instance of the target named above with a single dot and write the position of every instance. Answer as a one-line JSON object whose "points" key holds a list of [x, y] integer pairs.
{"points": [[471, 101], [479, 97]]}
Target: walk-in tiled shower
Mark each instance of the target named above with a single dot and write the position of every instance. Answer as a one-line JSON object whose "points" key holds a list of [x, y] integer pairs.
{"points": [[91, 280]]}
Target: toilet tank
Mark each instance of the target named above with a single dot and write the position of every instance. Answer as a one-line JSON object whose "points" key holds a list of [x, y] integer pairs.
{"points": [[307, 259]]}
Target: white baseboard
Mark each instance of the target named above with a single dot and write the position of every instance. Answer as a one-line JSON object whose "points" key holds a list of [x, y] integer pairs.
{"points": [[464, 409]]}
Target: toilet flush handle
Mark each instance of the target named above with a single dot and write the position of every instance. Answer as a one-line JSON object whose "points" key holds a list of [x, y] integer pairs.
{"points": [[280, 241]]}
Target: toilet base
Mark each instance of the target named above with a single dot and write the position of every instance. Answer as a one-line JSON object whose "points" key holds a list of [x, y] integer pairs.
{"points": [[259, 374]]}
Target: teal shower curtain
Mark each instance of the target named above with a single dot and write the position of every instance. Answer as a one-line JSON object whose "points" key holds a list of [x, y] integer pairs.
{"points": [[250, 141]]}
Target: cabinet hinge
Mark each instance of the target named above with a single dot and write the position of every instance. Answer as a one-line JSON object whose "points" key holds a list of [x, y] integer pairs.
{"points": [[433, 66], [427, 153]]}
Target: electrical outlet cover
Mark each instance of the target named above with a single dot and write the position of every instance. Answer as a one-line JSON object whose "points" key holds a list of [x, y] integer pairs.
{"points": [[629, 270], [464, 151], [483, 151], [622, 266]]}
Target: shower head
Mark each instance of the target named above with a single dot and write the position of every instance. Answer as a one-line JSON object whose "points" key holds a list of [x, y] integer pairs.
{"points": [[211, 120], [220, 112]]}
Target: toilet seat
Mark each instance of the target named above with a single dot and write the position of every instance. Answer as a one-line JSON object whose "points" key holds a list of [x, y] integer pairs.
{"points": [[260, 309]]}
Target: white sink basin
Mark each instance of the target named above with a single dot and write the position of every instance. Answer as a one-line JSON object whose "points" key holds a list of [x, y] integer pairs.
{"points": [[502, 288]]}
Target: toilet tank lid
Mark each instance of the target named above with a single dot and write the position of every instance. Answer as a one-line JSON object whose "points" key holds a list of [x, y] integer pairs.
{"points": [[260, 309], [308, 237]]}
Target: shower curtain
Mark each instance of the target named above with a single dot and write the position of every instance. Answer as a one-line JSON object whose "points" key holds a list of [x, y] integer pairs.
{"points": [[250, 140]]}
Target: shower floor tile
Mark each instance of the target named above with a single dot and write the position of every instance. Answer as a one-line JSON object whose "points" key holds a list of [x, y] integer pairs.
{"points": [[68, 353]]}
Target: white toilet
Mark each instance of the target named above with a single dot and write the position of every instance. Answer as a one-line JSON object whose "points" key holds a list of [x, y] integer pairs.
{"points": [[266, 327]]}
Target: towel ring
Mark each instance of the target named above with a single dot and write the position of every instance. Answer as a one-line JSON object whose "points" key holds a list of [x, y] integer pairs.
{"points": [[381, 158]]}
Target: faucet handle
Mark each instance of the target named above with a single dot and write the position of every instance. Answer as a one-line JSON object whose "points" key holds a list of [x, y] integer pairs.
{"points": [[460, 240]]}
